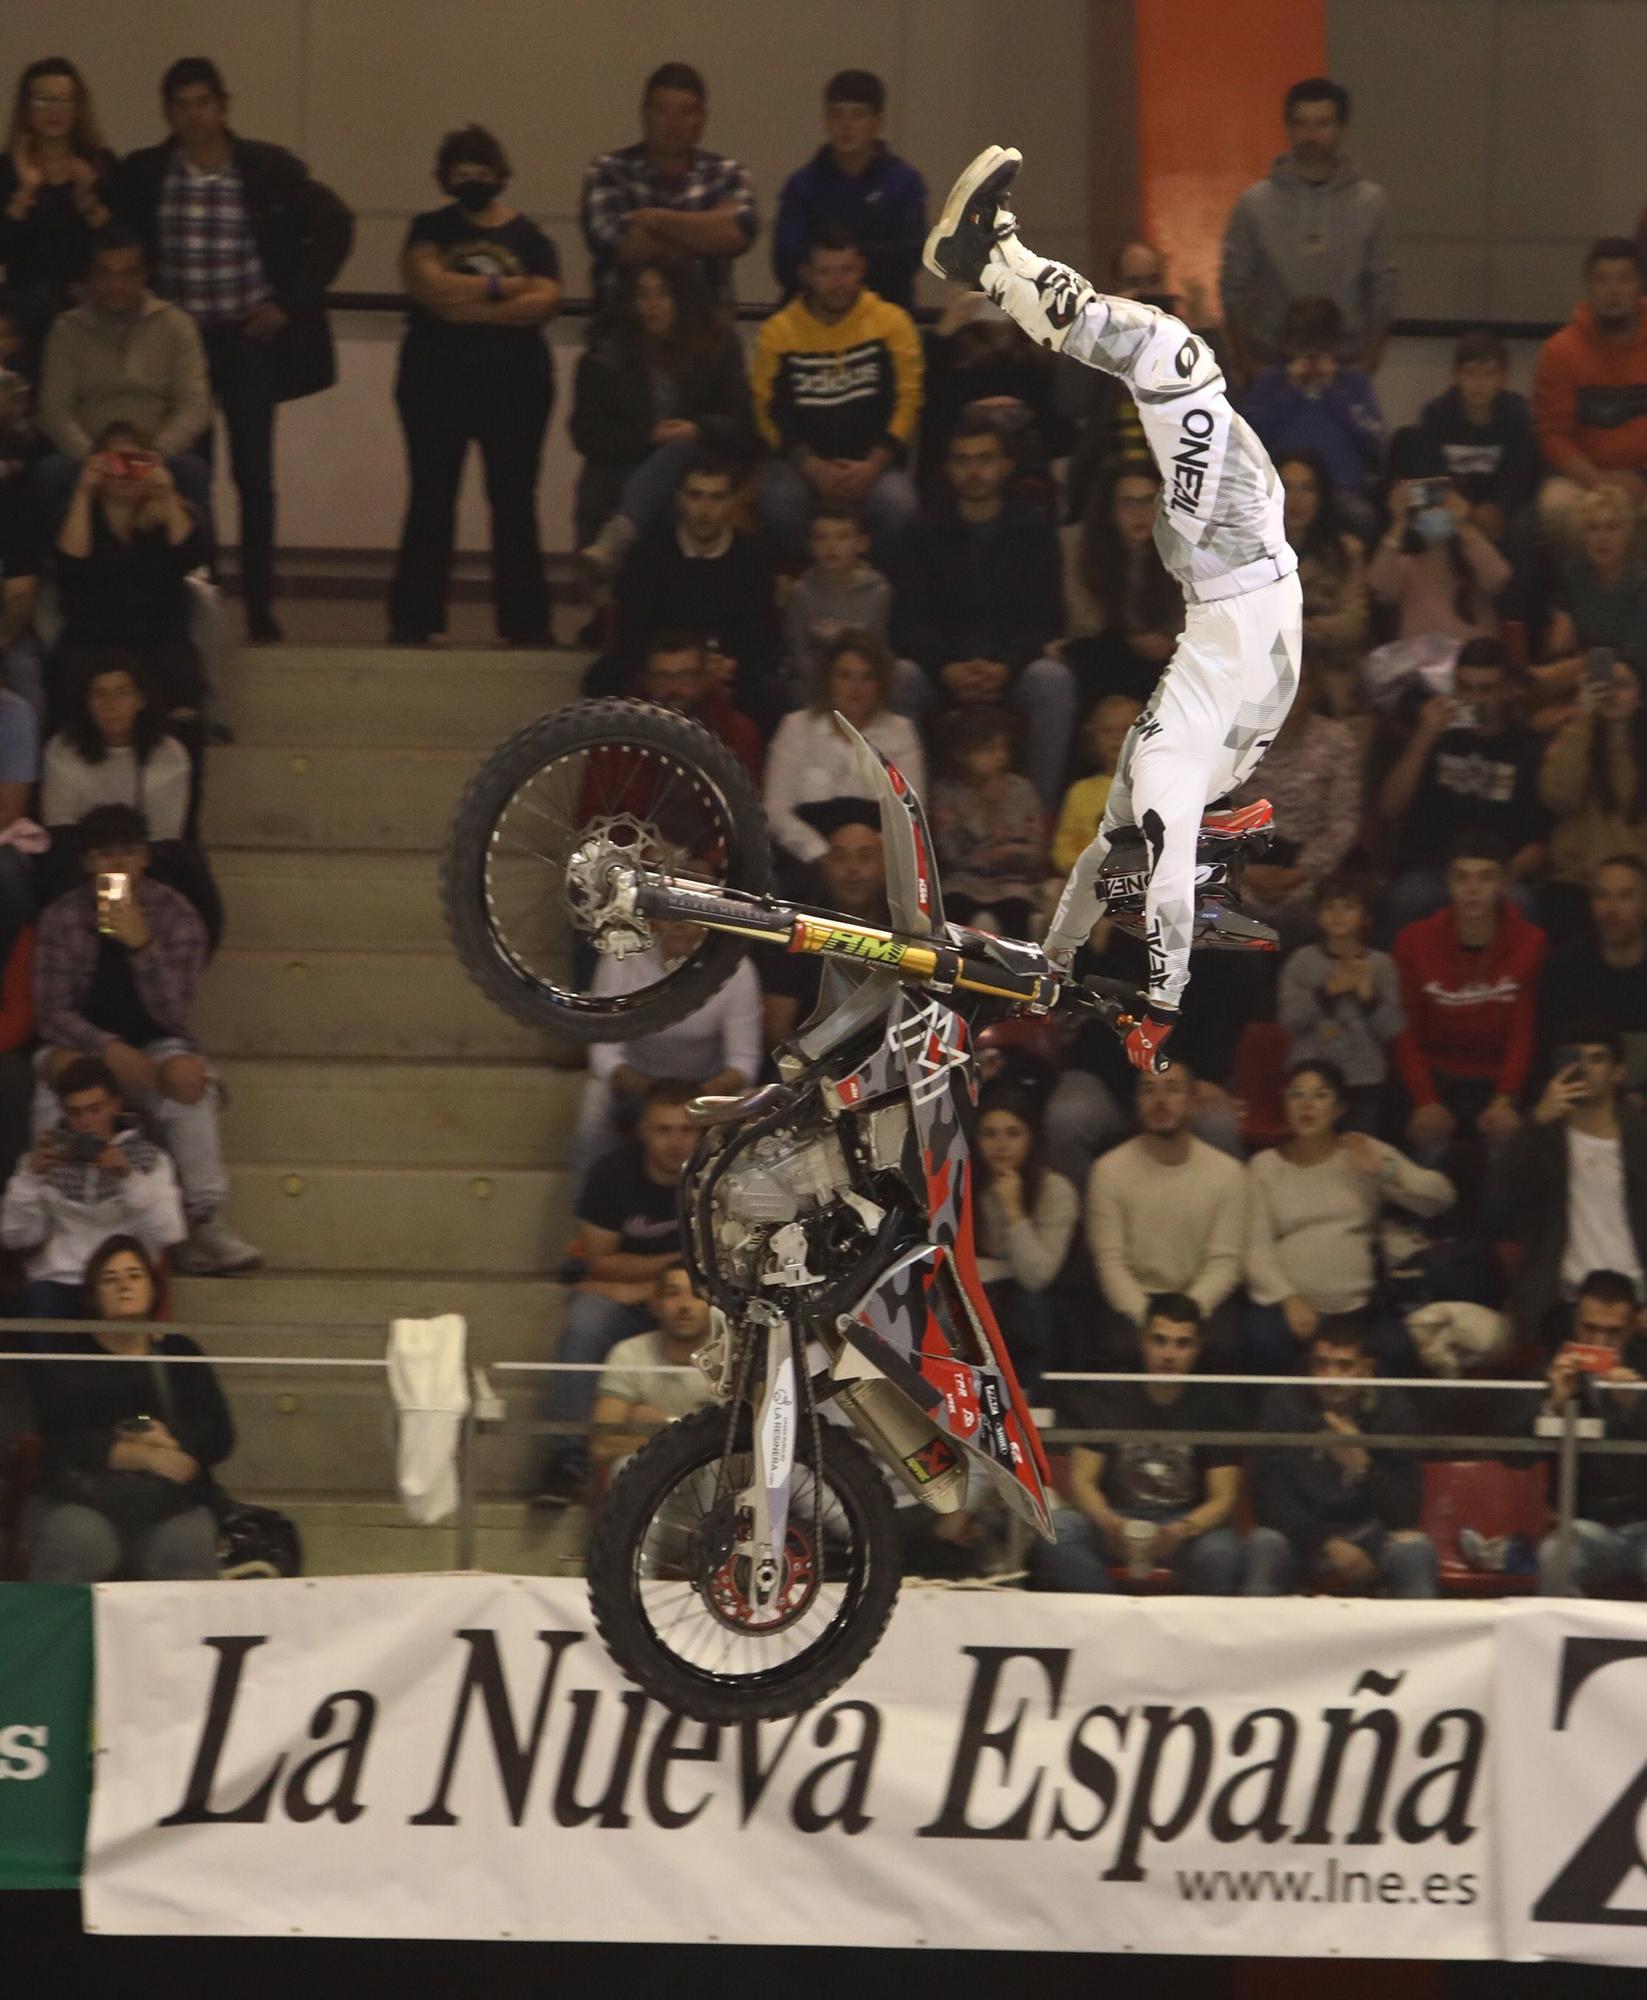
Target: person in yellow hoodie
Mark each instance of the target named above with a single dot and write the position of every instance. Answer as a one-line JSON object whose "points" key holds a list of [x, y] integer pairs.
{"points": [[837, 386]]}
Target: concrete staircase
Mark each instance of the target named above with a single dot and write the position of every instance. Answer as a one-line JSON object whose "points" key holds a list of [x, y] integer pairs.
{"points": [[396, 1145]]}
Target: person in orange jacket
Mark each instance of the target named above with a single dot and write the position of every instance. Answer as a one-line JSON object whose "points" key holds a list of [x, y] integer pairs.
{"points": [[1590, 391]]}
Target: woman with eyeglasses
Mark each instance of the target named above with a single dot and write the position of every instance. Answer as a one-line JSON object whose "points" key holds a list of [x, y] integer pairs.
{"points": [[1313, 1210], [55, 180]]}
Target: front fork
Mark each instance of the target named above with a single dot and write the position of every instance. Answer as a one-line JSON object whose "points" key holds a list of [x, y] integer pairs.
{"points": [[764, 1503]]}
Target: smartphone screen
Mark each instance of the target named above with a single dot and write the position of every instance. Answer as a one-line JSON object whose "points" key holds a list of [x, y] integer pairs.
{"points": [[113, 892]]}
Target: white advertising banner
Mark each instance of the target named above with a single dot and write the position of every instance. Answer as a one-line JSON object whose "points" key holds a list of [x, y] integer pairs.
{"points": [[457, 1757], [1571, 1757]]}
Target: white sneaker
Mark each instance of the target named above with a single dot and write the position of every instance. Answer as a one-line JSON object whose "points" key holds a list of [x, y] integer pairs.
{"points": [[214, 1251]]}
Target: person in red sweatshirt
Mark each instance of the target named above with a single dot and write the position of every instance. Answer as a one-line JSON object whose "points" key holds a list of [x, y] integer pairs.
{"points": [[1590, 391], [1469, 984]]}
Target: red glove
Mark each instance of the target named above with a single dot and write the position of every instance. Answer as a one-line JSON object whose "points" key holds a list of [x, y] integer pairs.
{"points": [[1146, 1040]]}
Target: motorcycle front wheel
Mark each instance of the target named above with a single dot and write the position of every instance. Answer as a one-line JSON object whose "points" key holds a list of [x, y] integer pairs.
{"points": [[669, 1594]]}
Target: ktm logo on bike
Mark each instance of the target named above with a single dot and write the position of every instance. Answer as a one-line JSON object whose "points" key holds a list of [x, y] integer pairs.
{"points": [[932, 1461]]}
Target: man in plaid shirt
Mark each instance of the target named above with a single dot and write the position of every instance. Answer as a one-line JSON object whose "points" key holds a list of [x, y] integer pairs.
{"points": [[666, 197], [114, 976]]}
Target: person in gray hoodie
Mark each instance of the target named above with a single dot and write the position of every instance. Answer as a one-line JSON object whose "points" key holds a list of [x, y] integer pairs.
{"points": [[1314, 227]]}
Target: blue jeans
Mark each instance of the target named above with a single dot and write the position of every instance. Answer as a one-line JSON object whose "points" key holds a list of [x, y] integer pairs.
{"points": [[594, 1326], [1208, 1566], [785, 503], [1271, 1349], [1601, 1556], [1405, 1563], [1043, 699], [649, 491]]}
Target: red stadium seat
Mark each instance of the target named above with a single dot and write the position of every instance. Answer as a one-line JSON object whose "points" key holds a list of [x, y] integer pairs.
{"points": [[1259, 1081], [1492, 1498]]}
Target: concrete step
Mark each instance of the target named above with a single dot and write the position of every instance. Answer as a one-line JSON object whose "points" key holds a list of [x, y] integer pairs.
{"points": [[378, 695], [291, 1109], [360, 900], [514, 1220], [348, 1312], [332, 796], [374, 1538], [366, 1003]]}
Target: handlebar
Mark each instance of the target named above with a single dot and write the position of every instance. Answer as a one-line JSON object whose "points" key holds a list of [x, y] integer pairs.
{"points": [[1118, 1005]]}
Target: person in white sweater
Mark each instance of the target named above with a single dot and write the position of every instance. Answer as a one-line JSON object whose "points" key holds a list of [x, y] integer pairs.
{"points": [[114, 750], [1166, 1213], [811, 759], [1026, 1223], [1313, 1208]]}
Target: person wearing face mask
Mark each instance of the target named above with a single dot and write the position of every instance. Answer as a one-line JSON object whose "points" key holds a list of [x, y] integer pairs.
{"points": [[475, 368], [1435, 565], [1590, 392]]}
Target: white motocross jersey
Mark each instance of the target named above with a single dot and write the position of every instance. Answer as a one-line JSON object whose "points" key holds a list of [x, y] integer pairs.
{"points": [[1218, 526]]}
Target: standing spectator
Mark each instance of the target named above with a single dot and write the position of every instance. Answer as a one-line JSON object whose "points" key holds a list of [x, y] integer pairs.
{"points": [[1603, 970], [852, 877], [1123, 609], [841, 592], [837, 382], [1313, 228], [1341, 1001], [1310, 402], [988, 827], [1343, 1516], [1027, 1216], [1082, 811], [115, 976], [977, 606], [124, 1490], [1166, 1213], [1469, 977], [1594, 784], [1468, 767], [856, 180], [91, 1174], [810, 759], [628, 1224], [475, 368], [650, 1379], [1571, 1184], [1588, 404], [114, 749], [124, 357], [248, 243], [1610, 1529], [1435, 566], [1332, 572], [1480, 433], [56, 182], [1313, 1208], [666, 197], [661, 381], [1150, 1502]]}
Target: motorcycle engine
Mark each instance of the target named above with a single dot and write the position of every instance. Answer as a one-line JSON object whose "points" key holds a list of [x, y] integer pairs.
{"points": [[786, 1213]]}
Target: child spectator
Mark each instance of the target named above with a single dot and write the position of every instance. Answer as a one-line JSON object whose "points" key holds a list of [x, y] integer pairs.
{"points": [[114, 749], [1332, 571], [810, 758], [841, 592], [1435, 565], [1341, 1001], [1481, 434], [1124, 611], [988, 826], [1311, 402], [1026, 1223], [1594, 782], [1083, 808]]}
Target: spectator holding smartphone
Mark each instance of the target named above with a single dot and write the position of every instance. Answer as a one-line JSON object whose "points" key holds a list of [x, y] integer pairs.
{"points": [[1594, 782], [1434, 565]]}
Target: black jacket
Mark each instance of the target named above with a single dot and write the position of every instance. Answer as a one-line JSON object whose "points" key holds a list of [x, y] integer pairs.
{"points": [[612, 414], [304, 233], [1528, 1205], [79, 1400], [1612, 1489], [1307, 1497], [960, 596]]}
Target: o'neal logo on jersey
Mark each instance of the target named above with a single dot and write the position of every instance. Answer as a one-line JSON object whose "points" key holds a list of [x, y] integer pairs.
{"points": [[1189, 461]]}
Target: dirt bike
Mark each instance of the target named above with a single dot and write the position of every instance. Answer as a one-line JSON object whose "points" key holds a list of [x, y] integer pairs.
{"points": [[745, 1561]]}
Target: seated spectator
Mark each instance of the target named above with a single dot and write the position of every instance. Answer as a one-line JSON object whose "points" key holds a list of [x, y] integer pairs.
{"points": [[1587, 392], [1469, 976], [1435, 566], [978, 360], [852, 883], [1570, 1186], [115, 976], [1082, 811], [90, 1176], [56, 183], [1313, 1209], [841, 592], [841, 434], [1602, 971], [666, 197], [810, 759], [1480, 434], [1343, 1517], [977, 606], [680, 673], [1610, 1529], [1340, 1000], [127, 358], [1332, 572], [988, 827], [1601, 599], [1469, 767], [856, 181], [22, 532], [700, 574], [662, 379], [19, 841], [114, 749], [1310, 402], [628, 1233], [642, 1383], [126, 1487], [1123, 610], [1026, 1223], [482, 281], [716, 1048], [16, 1043], [1311, 774], [1166, 1213], [1150, 1503], [1593, 782]]}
